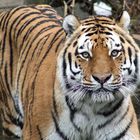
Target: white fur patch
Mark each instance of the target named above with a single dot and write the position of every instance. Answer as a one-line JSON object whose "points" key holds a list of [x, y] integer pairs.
{"points": [[86, 44]]}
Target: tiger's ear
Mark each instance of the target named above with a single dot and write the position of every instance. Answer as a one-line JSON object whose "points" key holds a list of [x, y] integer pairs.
{"points": [[70, 24], [124, 20]]}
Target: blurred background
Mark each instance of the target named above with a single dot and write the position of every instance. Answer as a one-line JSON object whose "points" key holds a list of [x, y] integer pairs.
{"points": [[84, 8]]}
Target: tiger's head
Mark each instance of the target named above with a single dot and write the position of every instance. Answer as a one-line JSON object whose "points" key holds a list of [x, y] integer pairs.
{"points": [[100, 61]]}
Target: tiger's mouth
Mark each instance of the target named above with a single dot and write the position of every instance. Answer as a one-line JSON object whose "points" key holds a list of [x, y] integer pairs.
{"points": [[92, 88], [99, 93], [102, 90], [85, 93]]}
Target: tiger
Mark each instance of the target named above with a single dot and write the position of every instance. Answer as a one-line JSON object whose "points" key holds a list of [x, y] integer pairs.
{"points": [[67, 78], [13, 25]]}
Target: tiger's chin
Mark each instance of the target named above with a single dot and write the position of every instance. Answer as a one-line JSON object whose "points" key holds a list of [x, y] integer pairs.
{"points": [[102, 95]]}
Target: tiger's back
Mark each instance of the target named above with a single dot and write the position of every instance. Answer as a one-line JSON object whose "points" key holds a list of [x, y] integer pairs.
{"points": [[28, 34]]}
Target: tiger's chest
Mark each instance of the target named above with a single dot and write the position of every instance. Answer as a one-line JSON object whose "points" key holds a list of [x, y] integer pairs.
{"points": [[86, 125]]}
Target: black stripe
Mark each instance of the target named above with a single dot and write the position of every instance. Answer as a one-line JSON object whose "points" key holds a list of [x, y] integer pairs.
{"points": [[11, 48], [46, 37], [90, 23], [4, 117], [95, 21], [131, 43], [122, 134], [107, 33], [136, 63], [86, 29], [122, 40], [58, 130], [31, 105], [9, 133], [45, 9], [91, 33], [39, 132], [103, 20], [111, 38], [59, 36], [106, 123], [73, 110], [102, 27], [3, 94], [124, 60], [15, 121], [76, 52], [6, 78], [3, 47], [129, 71], [112, 118], [75, 43], [124, 115], [64, 64], [76, 65], [11, 119], [113, 109], [117, 45], [55, 105], [110, 29], [70, 63], [68, 86], [130, 54], [59, 44], [108, 23], [23, 82], [88, 20]]}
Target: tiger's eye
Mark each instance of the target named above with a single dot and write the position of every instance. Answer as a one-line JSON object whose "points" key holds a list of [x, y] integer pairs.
{"points": [[114, 53], [85, 55]]}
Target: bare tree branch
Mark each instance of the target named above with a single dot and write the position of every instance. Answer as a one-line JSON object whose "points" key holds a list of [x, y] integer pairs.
{"points": [[69, 7], [65, 8]]}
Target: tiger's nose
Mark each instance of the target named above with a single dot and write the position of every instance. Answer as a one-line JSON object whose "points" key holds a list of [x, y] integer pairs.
{"points": [[101, 78]]}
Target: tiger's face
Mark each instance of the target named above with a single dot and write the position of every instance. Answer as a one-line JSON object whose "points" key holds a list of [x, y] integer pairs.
{"points": [[96, 64]]}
